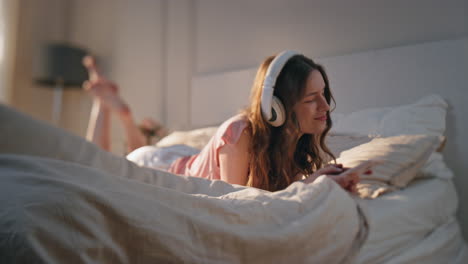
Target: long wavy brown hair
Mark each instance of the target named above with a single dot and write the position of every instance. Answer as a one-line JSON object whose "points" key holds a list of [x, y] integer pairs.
{"points": [[278, 154]]}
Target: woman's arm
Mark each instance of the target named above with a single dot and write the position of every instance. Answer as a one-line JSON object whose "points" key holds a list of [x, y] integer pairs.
{"points": [[98, 130], [133, 134], [347, 178], [234, 160]]}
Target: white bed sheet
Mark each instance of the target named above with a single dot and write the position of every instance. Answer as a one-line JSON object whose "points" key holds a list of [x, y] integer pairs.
{"points": [[414, 224]]}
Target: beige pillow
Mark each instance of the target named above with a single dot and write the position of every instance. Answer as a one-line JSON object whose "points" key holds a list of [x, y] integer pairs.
{"points": [[402, 157]]}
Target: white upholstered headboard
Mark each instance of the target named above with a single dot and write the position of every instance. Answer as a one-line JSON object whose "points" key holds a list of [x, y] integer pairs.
{"points": [[376, 78]]}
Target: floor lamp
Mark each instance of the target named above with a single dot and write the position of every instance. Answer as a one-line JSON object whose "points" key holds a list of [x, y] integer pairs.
{"points": [[59, 66]]}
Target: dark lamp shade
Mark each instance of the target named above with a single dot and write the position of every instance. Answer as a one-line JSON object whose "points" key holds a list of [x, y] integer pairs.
{"points": [[60, 64]]}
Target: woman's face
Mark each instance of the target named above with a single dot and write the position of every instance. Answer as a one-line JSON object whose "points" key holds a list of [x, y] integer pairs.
{"points": [[311, 110]]}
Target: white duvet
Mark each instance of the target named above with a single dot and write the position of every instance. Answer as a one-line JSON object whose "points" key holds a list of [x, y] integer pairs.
{"points": [[62, 200], [56, 211]]}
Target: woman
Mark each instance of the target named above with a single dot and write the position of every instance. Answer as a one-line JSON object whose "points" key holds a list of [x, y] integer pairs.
{"points": [[277, 140]]}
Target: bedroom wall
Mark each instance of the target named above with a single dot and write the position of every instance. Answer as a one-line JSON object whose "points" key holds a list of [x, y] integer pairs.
{"points": [[39, 22], [126, 37], [247, 31], [8, 29]]}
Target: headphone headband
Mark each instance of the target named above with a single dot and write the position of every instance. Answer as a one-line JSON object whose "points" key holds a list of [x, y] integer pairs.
{"points": [[269, 82]]}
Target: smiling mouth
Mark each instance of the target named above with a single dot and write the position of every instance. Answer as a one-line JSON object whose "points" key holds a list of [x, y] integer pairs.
{"points": [[322, 118]]}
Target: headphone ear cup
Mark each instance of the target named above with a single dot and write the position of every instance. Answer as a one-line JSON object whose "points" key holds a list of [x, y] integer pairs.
{"points": [[279, 115]]}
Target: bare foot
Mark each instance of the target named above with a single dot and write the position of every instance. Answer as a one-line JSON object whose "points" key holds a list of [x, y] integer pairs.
{"points": [[100, 88]]}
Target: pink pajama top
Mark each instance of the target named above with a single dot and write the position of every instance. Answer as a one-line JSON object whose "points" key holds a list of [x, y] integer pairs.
{"points": [[206, 163]]}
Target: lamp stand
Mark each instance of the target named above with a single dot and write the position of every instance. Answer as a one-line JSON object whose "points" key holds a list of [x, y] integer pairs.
{"points": [[57, 105]]}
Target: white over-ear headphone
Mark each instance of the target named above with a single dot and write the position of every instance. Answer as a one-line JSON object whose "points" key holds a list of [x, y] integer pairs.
{"points": [[272, 108]]}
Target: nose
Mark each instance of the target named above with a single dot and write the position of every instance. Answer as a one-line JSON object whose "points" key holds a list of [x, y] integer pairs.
{"points": [[323, 105]]}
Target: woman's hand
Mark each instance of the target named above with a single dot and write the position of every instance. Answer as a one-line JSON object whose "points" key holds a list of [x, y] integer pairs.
{"points": [[330, 169], [347, 178]]}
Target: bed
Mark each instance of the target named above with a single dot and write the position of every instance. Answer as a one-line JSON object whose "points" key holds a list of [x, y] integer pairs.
{"points": [[377, 94], [62, 199], [411, 220]]}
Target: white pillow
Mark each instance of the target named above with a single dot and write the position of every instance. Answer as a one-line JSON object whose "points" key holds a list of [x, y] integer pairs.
{"points": [[363, 122], [402, 157], [425, 116], [196, 138], [340, 143], [436, 167]]}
